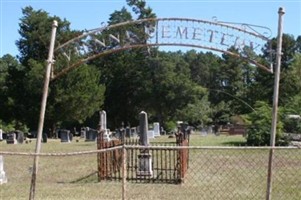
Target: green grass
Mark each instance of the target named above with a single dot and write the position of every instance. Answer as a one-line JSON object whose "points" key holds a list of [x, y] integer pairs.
{"points": [[212, 174], [197, 139]]}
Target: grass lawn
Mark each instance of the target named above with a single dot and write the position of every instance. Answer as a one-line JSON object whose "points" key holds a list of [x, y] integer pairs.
{"points": [[197, 139], [212, 174]]}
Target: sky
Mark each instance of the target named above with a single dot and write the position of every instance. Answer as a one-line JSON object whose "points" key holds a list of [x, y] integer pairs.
{"points": [[90, 14]]}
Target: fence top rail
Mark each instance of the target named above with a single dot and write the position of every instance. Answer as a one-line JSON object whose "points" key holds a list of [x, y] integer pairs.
{"points": [[149, 148], [210, 147], [59, 153]]}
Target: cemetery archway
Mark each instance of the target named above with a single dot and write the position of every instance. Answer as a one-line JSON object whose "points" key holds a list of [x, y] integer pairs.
{"points": [[209, 35]]}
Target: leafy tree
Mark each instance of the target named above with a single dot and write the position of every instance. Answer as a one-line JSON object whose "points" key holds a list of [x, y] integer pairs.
{"points": [[120, 16], [293, 108], [291, 83], [203, 67], [262, 88], [293, 105], [67, 94], [5, 62], [11, 89], [139, 7], [124, 73], [173, 96], [35, 28]]}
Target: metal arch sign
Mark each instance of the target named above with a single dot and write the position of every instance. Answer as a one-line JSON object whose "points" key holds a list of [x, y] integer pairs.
{"points": [[210, 35]]}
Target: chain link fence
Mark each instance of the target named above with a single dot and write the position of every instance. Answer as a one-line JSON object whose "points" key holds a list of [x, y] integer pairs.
{"points": [[212, 173]]}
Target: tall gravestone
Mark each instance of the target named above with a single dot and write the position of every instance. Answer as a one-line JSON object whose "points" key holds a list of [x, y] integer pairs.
{"points": [[103, 120], [103, 123], [145, 158], [143, 128], [3, 178]]}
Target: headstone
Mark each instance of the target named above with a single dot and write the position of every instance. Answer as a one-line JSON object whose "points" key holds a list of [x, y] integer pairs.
{"points": [[91, 135], [70, 136], [44, 138], [128, 132], [163, 132], [210, 130], [1, 134], [103, 120], [65, 135], [151, 134], [83, 132], [156, 129], [144, 165], [145, 158], [11, 138], [103, 124], [3, 178], [204, 132], [133, 132], [20, 137]]}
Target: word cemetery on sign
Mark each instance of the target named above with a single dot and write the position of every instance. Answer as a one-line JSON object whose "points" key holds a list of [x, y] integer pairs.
{"points": [[210, 35]]}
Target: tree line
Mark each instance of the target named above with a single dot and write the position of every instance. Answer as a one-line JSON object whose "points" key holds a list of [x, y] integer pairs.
{"points": [[197, 87]]}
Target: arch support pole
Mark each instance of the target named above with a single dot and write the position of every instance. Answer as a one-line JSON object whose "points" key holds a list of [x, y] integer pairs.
{"points": [[275, 103], [42, 112]]}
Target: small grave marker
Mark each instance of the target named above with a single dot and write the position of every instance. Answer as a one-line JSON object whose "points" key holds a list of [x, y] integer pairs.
{"points": [[65, 135], [3, 178], [11, 138]]}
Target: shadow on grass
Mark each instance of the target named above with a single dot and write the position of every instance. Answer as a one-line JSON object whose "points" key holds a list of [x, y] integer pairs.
{"points": [[235, 143], [90, 178]]}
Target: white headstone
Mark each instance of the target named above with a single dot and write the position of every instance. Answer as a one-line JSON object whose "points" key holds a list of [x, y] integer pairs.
{"points": [[3, 178], [156, 129], [103, 120], [150, 134], [1, 134], [83, 132]]}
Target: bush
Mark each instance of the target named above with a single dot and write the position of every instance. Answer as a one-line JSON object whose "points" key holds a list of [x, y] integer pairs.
{"points": [[170, 126], [259, 131], [12, 126]]}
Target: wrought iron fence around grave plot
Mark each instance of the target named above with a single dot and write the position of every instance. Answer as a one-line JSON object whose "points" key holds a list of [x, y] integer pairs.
{"points": [[163, 165], [213, 173]]}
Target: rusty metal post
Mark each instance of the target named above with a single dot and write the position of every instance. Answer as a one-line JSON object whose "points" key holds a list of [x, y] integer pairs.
{"points": [[42, 112], [275, 103], [124, 160]]}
